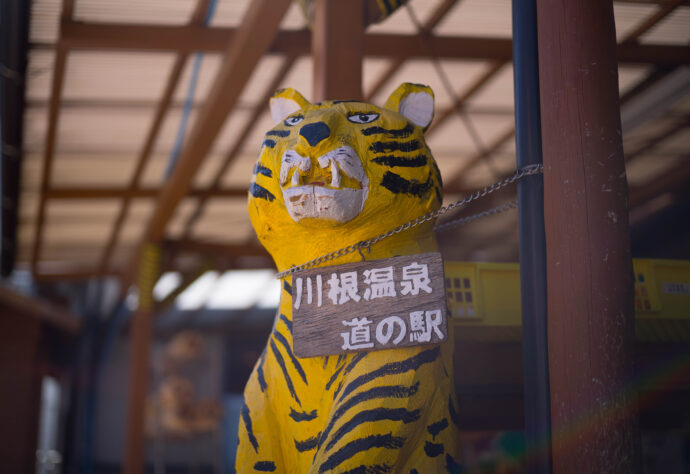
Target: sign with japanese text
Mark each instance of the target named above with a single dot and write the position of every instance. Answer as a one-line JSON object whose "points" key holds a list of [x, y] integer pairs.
{"points": [[370, 305]]}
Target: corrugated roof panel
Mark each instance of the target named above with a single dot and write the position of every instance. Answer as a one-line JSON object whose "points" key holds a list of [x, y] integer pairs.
{"points": [[210, 63], [39, 74], [256, 138], [93, 169], [161, 12], [628, 16], [224, 220], [647, 168], [486, 18], [261, 77], [137, 217], [400, 22], [455, 135], [674, 29], [229, 12], [630, 76], [300, 77], [45, 21], [240, 173], [372, 68], [103, 75], [115, 130], [177, 224], [498, 92]]}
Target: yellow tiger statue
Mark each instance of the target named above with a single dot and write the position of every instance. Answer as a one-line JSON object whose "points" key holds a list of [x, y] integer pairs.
{"points": [[331, 174]]}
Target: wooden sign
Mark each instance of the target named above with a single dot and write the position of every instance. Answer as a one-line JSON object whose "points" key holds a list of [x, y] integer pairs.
{"points": [[370, 305]]}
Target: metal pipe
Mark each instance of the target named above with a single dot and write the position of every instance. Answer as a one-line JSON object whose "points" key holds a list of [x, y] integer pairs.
{"points": [[532, 240]]}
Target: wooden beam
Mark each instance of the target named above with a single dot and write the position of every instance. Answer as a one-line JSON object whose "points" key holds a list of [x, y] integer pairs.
{"points": [[675, 179], [216, 249], [679, 126], [250, 43], [175, 73], [438, 14], [250, 123], [137, 193], [589, 267], [186, 38], [651, 21], [337, 49]]}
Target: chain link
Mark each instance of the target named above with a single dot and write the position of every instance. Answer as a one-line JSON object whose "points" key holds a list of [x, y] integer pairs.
{"points": [[365, 244]]}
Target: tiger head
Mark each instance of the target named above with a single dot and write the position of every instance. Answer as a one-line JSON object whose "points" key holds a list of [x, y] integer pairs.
{"points": [[337, 172]]}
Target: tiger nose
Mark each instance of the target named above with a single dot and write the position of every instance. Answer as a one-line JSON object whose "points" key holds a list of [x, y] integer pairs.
{"points": [[315, 132]]}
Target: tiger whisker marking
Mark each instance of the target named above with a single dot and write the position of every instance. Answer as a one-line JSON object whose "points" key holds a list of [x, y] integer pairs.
{"points": [[281, 363], [377, 414], [387, 441]]}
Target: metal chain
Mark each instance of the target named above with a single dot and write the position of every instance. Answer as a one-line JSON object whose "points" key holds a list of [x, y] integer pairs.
{"points": [[466, 220], [365, 244]]}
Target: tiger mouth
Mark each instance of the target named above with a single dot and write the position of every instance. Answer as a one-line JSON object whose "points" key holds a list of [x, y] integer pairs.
{"points": [[334, 188]]}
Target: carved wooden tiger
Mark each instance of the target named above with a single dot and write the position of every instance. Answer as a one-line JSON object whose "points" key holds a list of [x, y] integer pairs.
{"points": [[331, 174]]}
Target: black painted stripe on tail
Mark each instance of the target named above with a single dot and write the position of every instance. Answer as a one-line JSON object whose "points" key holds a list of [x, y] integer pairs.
{"points": [[394, 160], [341, 358], [287, 287], [278, 133], [404, 132], [433, 449], [247, 419], [413, 363], [435, 428], [286, 376], [387, 441], [265, 466], [260, 192], [349, 367], [325, 361], [307, 444], [387, 391], [399, 185], [259, 168], [387, 147], [333, 377], [375, 469], [268, 143], [287, 322], [288, 350], [300, 416], [377, 414], [454, 417], [260, 371]]}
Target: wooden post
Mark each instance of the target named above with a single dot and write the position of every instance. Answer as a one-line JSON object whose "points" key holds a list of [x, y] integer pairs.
{"points": [[337, 48], [139, 362], [589, 267]]}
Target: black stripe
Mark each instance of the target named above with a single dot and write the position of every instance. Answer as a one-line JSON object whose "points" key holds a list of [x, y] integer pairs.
{"points": [[451, 466], [265, 466], [284, 318], [377, 414], [263, 170], [375, 469], [349, 367], [287, 287], [392, 133], [454, 417], [261, 192], [295, 362], [393, 160], [341, 358], [302, 415], [438, 174], [440, 201], [414, 471], [260, 372], [435, 428], [269, 143], [385, 147], [399, 185], [307, 444], [387, 391], [248, 426], [278, 133], [325, 361], [281, 363], [388, 6], [333, 377], [342, 101], [387, 441], [433, 449], [413, 363]]}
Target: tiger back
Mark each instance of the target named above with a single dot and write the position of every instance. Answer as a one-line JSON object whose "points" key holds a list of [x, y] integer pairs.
{"points": [[331, 174]]}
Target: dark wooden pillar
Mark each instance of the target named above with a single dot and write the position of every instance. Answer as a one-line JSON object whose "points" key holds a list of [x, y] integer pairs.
{"points": [[139, 363], [589, 267], [337, 48]]}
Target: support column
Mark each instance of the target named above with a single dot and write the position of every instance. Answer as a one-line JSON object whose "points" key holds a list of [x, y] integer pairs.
{"points": [[139, 363], [337, 49], [589, 267]]}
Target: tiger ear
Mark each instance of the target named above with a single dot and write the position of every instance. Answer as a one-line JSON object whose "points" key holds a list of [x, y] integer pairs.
{"points": [[413, 101], [285, 102]]}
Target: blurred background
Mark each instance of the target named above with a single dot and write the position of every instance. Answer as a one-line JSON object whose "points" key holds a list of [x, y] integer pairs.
{"points": [[100, 98]]}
